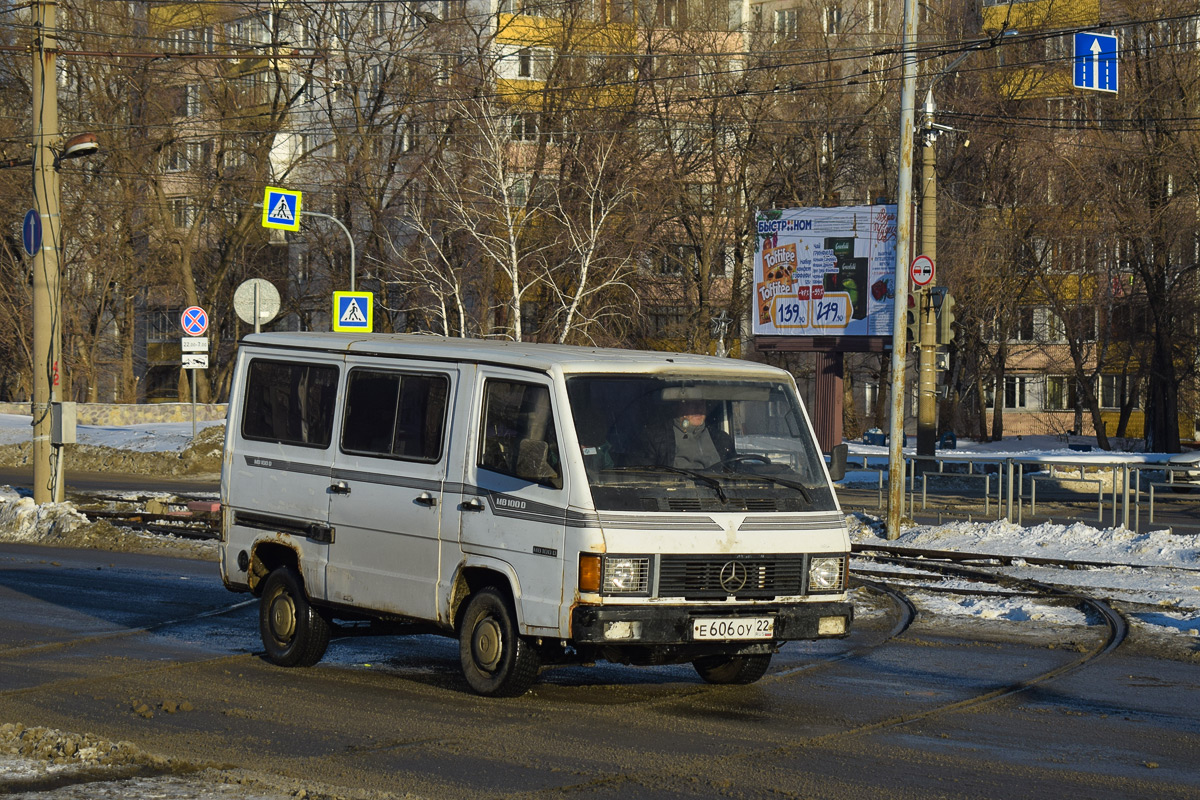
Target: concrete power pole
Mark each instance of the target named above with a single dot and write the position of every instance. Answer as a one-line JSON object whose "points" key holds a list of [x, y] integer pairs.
{"points": [[904, 229], [926, 363], [47, 299]]}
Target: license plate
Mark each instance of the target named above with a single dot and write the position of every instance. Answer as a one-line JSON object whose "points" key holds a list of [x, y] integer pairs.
{"points": [[725, 629]]}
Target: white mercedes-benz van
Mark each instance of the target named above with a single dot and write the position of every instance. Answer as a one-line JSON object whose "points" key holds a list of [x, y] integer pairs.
{"points": [[545, 504]]}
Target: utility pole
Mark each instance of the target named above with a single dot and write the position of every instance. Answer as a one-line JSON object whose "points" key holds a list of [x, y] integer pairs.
{"points": [[47, 297], [904, 220], [927, 346]]}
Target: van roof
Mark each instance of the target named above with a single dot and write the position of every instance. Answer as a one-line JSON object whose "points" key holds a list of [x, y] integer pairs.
{"points": [[541, 357]]}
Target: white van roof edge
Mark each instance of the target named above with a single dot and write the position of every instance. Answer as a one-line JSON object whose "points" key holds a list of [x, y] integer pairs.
{"points": [[526, 355]]}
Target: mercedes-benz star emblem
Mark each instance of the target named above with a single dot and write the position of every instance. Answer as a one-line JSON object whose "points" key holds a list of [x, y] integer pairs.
{"points": [[733, 576]]}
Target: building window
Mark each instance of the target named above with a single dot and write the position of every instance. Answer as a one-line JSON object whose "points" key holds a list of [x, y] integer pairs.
{"points": [[787, 23], [182, 211], [877, 15], [529, 319], [665, 320], [1061, 393], [162, 324], [191, 100], [524, 127], [1024, 330], [674, 13], [174, 158], [832, 19], [1115, 390], [1015, 391], [378, 18]]}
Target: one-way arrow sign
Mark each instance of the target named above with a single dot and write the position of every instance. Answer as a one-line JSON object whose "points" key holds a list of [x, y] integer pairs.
{"points": [[1096, 62]]}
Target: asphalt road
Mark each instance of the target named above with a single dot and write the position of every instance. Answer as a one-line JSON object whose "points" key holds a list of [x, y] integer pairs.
{"points": [[89, 482], [83, 648]]}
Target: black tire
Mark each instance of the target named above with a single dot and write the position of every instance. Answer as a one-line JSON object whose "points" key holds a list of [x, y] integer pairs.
{"points": [[738, 670], [293, 632], [496, 660]]}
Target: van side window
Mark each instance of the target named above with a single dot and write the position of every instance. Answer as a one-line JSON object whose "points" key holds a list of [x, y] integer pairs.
{"points": [[395, 414], [289, 403], [518, 433]]}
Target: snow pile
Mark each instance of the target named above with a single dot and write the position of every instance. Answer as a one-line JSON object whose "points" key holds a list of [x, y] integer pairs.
{"points": [[1077, 542], [22, 520], [1156, 574]]}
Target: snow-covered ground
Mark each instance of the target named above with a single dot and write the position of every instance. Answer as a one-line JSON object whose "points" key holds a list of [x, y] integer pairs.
{"points": [[173, 436]]}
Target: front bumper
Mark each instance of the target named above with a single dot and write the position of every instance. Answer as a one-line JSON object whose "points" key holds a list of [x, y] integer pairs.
{"points": [[673, 624]]}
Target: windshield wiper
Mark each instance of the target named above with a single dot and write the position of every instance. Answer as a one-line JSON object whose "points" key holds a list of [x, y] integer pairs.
{"points": [[707, 480], [801, 488]]}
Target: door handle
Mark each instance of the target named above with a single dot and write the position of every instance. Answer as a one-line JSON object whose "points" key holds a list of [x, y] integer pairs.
{"points": [[426, 499], [474, 504], [340, 487]]}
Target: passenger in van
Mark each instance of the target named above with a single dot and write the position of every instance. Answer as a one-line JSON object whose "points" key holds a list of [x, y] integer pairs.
{"points": [[688, 442]]}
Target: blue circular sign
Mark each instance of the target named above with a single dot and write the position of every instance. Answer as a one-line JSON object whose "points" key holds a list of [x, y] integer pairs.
{"points": [[31, 232], [194, 320]]}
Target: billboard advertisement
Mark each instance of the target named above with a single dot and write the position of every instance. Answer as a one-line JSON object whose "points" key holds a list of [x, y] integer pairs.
{"points": [[825, 271]]}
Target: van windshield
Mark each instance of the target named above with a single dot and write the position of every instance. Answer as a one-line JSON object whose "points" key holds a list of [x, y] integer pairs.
{"points": [[670, 444]]}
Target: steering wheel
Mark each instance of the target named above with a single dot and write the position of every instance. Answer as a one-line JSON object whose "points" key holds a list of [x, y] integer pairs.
{"points": [[745, 458]]}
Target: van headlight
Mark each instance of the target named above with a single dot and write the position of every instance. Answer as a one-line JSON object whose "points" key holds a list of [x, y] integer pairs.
{"points": [[827, 574], [628, 575]]}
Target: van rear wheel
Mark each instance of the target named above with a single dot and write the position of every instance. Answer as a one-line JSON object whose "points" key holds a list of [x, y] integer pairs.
{"points": [[732, 669], [294, 634], [496, 660]]}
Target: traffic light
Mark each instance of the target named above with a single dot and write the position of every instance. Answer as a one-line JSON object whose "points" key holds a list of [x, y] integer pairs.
{"points": [[945, 320], [913, 335]]}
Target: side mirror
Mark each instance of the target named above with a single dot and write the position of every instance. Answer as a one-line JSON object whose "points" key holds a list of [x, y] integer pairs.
{"points": [[837, 461]]}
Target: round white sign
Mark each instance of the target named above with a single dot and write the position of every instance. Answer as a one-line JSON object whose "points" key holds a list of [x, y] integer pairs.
{"points": [[922, 271], [256, 292]]}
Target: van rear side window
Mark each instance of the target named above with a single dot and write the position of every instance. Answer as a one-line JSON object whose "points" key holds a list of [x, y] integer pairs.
{"points": [[289, 403], [395, 414]]}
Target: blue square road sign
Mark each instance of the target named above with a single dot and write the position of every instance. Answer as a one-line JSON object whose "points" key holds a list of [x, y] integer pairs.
{"points": [[1096, 62], [353, 312], [281, 209]]}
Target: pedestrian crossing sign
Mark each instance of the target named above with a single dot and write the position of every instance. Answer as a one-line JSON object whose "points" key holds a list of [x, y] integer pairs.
{"points": [[353, 311], [281, 209]]}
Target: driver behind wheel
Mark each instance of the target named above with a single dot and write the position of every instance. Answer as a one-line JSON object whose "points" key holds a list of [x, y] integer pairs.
{"points": [[689, 442]]}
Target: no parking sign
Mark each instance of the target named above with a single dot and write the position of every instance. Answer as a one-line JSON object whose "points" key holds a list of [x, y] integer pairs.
{"points": [[194, 320]]}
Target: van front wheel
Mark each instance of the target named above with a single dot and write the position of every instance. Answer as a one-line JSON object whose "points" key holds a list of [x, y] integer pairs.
{"points": [[732, 669], [293, 632], [496, 660]]}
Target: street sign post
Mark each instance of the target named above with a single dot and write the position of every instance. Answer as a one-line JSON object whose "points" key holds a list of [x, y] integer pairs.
{"points": [[353, 311], [194, 344], [921, 271], [194, 321], [1096, 62], [256, 301]]}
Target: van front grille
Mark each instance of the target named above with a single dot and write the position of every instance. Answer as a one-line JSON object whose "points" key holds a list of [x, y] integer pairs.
{"points": [[721, 576]]}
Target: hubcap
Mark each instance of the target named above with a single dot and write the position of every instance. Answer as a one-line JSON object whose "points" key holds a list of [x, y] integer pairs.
{"points": [[283, 617], [486, 645]]}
